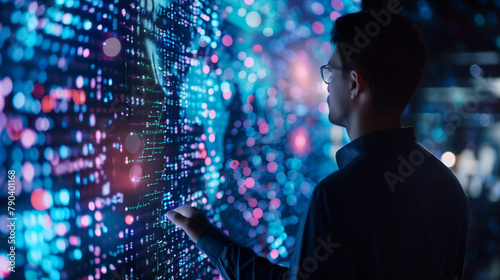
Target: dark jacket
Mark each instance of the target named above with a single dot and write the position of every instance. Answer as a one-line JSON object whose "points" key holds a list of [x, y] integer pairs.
{"points": [[391, 211]]}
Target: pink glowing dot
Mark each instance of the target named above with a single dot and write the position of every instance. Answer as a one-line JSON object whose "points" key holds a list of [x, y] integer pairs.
{"points": [[98, 216], [249, 182], [129, 219], [335, 15], [337, 5], [218, 195], [28, 171], [248, 62], [98, 136], [4, 267], [61, 229], [227, 40], [208, 161], [272, 167], [318, 27], [211, 137], [28, 138], [214, 58], [227, 94], [247, 171], [85, 221], [79, 82], [264, 128], [74, 240], [254, 221], [257, 48], [86, 53], [98, 204], [252, 202], [300, 141], [275, 203], [242, 190], [212, 114], [41, 199], [250, 142], [91, 206], [6, 86], [258, 213], [206, 69], [45, 221], [274, 253]]}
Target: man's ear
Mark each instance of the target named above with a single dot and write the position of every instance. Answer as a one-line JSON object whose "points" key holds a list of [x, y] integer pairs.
{"points": [[357, 84]]}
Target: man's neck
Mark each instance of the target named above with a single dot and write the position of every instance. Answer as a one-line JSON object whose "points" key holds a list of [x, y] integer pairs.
{"points": [[359, 128]]}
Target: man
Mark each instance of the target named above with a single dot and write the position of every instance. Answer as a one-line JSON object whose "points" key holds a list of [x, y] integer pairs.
{"points": [[392, 210]]}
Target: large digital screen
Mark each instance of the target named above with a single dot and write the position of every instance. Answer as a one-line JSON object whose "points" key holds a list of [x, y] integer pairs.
{"points": [[114, 112]]}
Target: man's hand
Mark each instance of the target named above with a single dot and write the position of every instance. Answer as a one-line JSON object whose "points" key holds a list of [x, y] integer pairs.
{"points": [[191, 220]]}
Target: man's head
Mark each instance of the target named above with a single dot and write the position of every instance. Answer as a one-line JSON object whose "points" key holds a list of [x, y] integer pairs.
{"points": [[387, 58]]}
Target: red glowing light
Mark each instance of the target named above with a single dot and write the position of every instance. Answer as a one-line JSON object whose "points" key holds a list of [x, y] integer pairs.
{"points": [[79, 96], [48, 103], [38, 90], [129, 219], [257, 48], [15, 129], [41, 199]]}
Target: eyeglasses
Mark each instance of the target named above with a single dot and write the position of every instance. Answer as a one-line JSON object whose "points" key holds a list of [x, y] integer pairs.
{"points": [[327, 73]]}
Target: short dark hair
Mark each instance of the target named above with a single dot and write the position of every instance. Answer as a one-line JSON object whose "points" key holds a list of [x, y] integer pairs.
{"points": [[393, 58]]}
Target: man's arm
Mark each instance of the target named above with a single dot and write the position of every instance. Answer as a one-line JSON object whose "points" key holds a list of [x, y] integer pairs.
{"points": [[235, 261], [321, 250], [231, 259]]}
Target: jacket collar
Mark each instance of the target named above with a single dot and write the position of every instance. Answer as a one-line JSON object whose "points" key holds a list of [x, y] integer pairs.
{"points": [[387, 139]]}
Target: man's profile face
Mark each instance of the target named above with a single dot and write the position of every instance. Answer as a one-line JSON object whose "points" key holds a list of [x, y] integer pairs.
{"points": [[338, 92]]}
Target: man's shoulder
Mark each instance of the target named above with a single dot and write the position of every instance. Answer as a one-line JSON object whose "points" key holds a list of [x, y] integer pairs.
{"points": [[338, 181], [406, 163]]}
